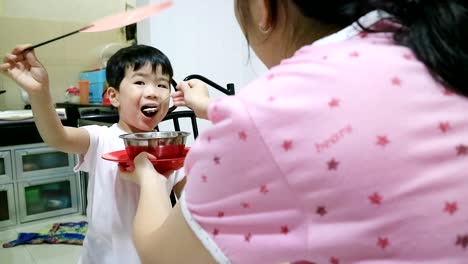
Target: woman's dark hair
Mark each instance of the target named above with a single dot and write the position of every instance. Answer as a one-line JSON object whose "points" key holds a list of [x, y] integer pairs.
{"points": [[135, 57], [435, 30]]}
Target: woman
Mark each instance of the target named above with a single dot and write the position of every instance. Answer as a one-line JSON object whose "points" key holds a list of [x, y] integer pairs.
{"points": [[353, 148]]}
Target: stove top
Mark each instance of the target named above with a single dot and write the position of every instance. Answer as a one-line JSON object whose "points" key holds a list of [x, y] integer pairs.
{"points": [[97, 111]]}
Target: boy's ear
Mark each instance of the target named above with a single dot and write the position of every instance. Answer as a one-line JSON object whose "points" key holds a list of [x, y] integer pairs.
{"points": [[113, 95]]}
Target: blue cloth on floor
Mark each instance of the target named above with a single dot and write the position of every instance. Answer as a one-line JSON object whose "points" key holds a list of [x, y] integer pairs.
{"points": [[60, 233]]}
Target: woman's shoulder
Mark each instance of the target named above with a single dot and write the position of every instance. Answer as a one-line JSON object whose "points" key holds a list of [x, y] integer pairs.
{"points": [[357, 55], [364, 64]]}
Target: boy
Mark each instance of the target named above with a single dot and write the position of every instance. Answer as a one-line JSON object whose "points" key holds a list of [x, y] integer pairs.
{"points": [[139, 82]]}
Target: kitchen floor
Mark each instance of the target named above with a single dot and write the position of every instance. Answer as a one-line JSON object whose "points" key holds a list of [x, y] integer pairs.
{"points": [[39, 254]]}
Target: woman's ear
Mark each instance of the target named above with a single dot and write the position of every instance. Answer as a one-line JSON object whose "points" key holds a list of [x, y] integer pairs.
{"points": [[264, 16], [113, 95]]}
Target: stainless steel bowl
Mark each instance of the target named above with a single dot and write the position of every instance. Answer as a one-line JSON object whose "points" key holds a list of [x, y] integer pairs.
{"points": [[163, 144]]}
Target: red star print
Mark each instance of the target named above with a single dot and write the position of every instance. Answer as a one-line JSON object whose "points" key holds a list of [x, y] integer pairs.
{"points": [[444, 126], [382, 141], [248, 237], [375, 198], [245, 205], [451, 208], [408, 56], [271, 99], [321, 210], [217, 160], [264, 189], [334, 103], [204, 178], [447, 92], [363, 35], [334, 260], [396, 81], [462, 241], [383, 242], [220, 214], [215, 232], [462, 150], [243, 136], [287, 145], [354, 54], [270, 76], [208, 138], [284, 230], [333, 164]]}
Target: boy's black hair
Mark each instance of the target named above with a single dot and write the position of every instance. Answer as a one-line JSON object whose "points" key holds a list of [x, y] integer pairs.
{"points": [[135, 57]]}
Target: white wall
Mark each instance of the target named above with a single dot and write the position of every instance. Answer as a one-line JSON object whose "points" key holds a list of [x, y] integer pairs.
{"points": [[202, 38]]}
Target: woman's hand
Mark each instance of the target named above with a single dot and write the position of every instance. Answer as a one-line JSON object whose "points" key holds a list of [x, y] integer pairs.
{"points": [[25, 69], [142, 170], [193, 94]]}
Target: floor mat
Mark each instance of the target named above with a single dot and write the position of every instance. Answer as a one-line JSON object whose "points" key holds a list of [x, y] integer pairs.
{"points": [[60, 233]]}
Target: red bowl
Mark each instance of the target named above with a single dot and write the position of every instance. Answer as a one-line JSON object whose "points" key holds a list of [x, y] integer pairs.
{"points": [[161, 165], [161, 152]]}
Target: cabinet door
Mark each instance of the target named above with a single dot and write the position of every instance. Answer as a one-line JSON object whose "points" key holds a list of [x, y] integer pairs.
{"points": [[45, 198], [42, 161], [7, 205], [6, 173]]}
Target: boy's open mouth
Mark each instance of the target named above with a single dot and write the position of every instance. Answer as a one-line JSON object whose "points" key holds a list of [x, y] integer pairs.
{"points": [[149, 111]]}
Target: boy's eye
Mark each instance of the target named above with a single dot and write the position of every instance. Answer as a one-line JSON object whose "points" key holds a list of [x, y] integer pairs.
{"points": [[139, 83], [162, 86]]}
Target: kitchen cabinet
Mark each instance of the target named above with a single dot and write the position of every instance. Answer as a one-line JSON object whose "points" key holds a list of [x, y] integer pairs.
{"points": [[7, 206], [36, 182], [41, 161], [6, 172], [48, 197]]}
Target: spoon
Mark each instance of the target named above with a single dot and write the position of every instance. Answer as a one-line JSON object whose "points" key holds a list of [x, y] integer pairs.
{"points": [[114, 21], [154, 109]]}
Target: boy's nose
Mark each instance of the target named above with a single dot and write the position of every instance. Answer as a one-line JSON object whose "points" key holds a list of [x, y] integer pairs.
{"points": [[152, 91]]}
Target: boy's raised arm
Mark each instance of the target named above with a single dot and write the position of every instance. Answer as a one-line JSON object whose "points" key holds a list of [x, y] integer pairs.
{"points": [[25, 69]]}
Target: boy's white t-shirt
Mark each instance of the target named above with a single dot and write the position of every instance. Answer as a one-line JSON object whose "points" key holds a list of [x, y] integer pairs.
{"points": [[112, 201]]}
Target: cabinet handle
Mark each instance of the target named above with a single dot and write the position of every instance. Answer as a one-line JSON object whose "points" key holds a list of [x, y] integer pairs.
{"points": [[3, 155]]}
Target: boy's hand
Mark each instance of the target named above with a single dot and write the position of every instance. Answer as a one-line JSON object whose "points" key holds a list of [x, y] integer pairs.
{"points": [[24, 68], [142, 170], [193, 94]]}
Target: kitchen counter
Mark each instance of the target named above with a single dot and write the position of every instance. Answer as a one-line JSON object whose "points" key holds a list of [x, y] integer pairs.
{"points": [[18, 127], [18, 133], [26, 115]]}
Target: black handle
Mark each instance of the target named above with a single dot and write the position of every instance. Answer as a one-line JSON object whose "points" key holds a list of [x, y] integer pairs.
{"points": [[57, 38], [228, 91]]}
